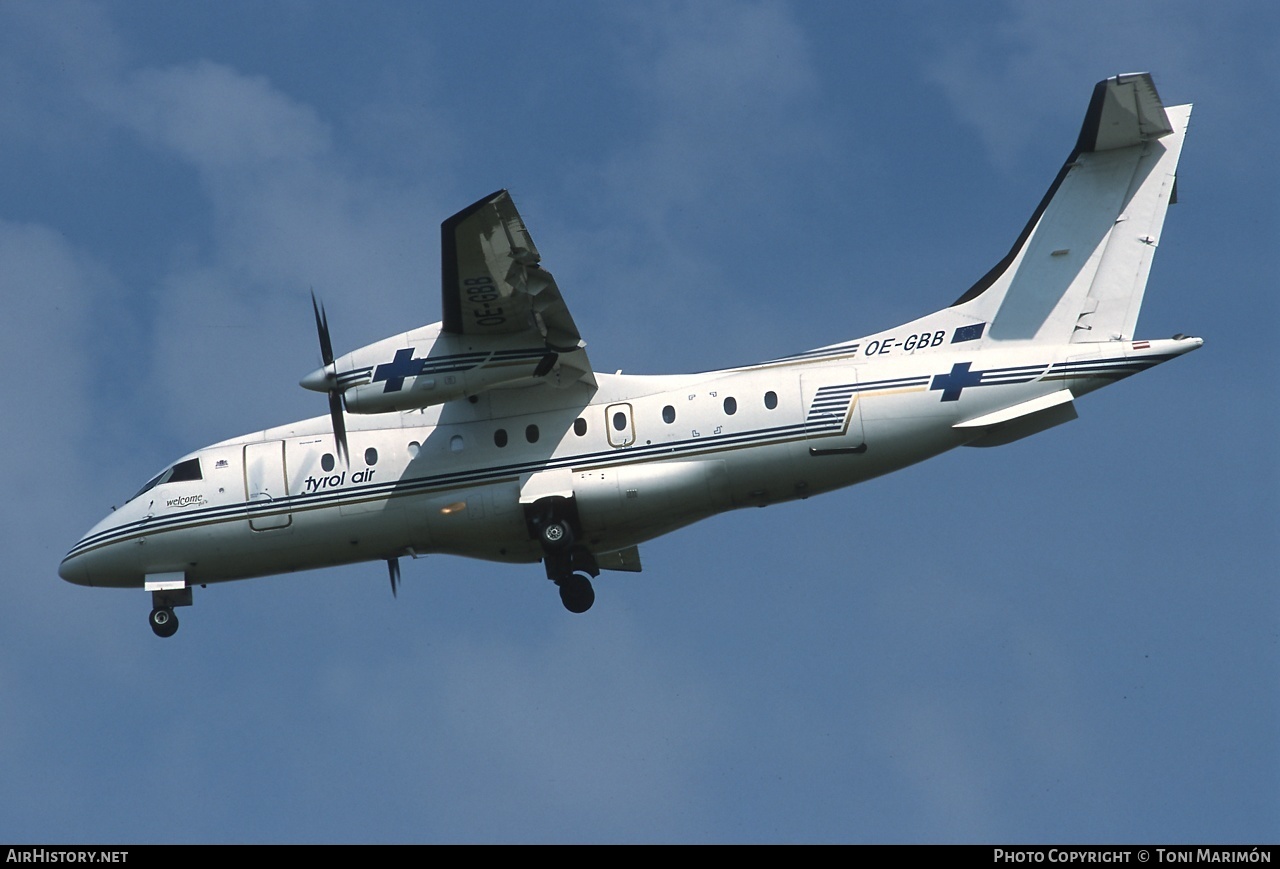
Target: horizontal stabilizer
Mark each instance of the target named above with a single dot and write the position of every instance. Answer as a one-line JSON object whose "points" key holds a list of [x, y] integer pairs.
{"points": [[1026, 408], [1022, 420]]}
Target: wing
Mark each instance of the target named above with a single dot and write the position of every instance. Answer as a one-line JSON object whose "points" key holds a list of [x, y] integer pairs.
{"points": [[493, 286]]}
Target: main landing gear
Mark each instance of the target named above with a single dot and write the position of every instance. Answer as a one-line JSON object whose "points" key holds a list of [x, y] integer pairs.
{"points": [[576, 592], [553, 523]]}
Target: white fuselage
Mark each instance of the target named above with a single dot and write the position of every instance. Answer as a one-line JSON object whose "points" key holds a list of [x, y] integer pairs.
{"points": [[491, 435], [640, 456]]}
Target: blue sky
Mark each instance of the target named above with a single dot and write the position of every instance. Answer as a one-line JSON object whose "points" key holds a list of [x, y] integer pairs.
{"points": [[1070, 638]]}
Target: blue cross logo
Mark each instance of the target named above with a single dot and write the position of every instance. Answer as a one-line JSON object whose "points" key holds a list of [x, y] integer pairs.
{"points": [[395, 371], [952, 384]]}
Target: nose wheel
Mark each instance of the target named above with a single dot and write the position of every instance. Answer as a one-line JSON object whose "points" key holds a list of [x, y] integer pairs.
{"points": [[164, 622], [163, 600]]}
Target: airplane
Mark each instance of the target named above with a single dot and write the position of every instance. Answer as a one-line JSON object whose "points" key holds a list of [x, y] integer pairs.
{"points": [[490, 435]]}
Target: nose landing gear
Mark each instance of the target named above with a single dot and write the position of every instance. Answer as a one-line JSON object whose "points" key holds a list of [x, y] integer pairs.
{"points": [[167, 591], [164, 622]]}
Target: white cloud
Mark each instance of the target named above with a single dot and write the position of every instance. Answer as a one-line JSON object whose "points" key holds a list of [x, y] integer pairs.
{"points": [[723, 111], [59, 477], [284, 215], [219, 120], [723, 88], [287, 213], [50, 290]]}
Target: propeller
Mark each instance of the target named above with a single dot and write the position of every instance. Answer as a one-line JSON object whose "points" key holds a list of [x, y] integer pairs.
{"points": [[326, 380], [393, 567]]}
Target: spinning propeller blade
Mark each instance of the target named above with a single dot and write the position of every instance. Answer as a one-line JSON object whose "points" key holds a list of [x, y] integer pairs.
{"points": [[393, 566], [322, 326], [339, 425], [331, 380]]}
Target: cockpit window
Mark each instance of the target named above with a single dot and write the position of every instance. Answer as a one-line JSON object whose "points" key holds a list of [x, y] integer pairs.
{"points": [[184, 471], [179, 473]]}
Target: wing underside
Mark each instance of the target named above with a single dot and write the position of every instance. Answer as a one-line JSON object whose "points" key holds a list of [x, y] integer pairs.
{"points": [[493, 286]]}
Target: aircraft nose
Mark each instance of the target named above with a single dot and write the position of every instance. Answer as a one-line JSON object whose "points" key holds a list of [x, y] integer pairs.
{"points": [[320, 380], [96, 560], [72, 569]]}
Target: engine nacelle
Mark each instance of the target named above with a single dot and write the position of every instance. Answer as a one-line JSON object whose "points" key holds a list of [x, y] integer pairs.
{"points": [[426, 366]]}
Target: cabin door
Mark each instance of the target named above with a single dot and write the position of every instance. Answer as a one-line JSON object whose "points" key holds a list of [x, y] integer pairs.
{"points": [[264, 484]]}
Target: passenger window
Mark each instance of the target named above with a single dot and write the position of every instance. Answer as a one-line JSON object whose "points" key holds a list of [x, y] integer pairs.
{"points": [[731, 405], [620, 421], [531, 434], [771, 399], [668, 414], [579, 426], [500, 437], [326, 462], [455, 444], [371, 456]]}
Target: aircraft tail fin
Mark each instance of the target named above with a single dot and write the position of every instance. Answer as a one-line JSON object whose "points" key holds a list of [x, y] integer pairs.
{"points": [[1078, 270]]}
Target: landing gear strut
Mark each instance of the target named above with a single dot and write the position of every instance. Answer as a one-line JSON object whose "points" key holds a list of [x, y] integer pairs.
{"points": [[553, 523]]}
